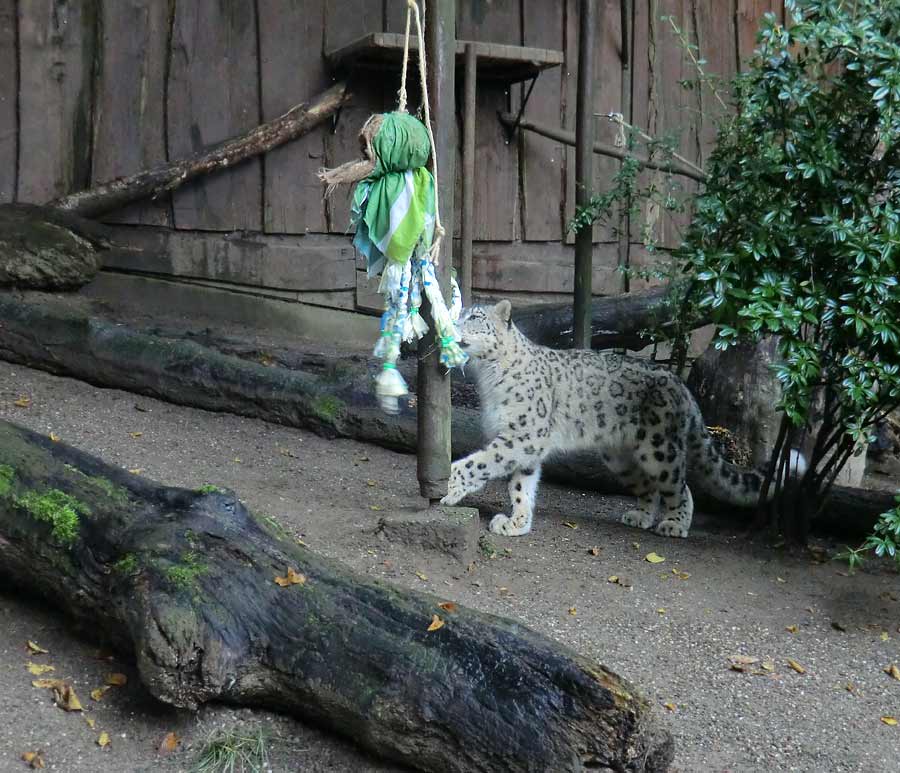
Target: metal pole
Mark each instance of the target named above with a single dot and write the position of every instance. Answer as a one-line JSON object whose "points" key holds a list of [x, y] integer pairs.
{"points": [[433, 386], [468, 177], [584, 173]]}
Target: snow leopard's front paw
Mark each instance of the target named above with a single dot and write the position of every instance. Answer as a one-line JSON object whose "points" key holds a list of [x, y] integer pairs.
{"points": [[638, 518], [671, 527], [509, 527], [455, 494]]}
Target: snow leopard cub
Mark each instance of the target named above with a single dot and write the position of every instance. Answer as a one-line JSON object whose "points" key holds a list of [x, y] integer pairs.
{"points": [[642, 419]]}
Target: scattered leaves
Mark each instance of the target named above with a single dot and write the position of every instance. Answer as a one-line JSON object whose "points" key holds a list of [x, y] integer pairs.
{"points": [[376, 508], [371, 483], [38, 669], [889, 721], [436, 623], [573, 611], [681, 575], [98, 693], [291, 578], [617, 580], [570, 525], [103, 740], [63, 693], [661, 611], [136, 470], [742, 663], [448, 606], [169, 743], [37, 649], [23, 402], [422, 576], [796, 666], [54, 437], [35, 760], [884, 636], [767, 665], [670, 706], [654, 558], [893, 672], [792, 628], [136, 435], [90, 722], [594, 551], [118, 680], [780, 579]]}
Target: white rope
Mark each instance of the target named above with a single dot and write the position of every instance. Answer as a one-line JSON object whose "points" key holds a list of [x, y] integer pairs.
{"points": [[401, 95], [438, 228]]}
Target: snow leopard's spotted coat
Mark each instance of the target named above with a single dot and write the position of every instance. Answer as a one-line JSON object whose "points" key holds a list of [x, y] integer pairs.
{"points": [[642, 419]]}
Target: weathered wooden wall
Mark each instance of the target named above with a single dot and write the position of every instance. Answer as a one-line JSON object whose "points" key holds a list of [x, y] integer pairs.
{"points": [[93, 89]]}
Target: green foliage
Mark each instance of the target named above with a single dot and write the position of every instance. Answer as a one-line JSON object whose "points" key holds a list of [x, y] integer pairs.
{"points": [[209, 488], [7, 476], [327, 407], [885, 541], [57, 508], [231, 751], [127, 564]]}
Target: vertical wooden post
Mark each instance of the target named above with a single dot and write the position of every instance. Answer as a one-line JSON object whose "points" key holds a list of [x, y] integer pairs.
{"points": [[468, 176], [624, 257], [584, 172], [434, 386]]}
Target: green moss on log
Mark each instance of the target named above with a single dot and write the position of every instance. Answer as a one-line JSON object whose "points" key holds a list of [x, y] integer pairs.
{"points": [[328, 407], [57, 508], [184, 575], [7, 476]]}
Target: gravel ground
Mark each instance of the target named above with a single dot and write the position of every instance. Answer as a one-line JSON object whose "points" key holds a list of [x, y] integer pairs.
{"points": [[670, 628]]}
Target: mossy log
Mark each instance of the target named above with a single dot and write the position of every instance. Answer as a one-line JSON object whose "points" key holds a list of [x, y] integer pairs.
{"points": [[186, 581]]}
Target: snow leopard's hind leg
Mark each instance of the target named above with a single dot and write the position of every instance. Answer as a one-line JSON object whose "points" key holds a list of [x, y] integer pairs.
{"points": [[642, 486], [522, 492], [678, 508]]}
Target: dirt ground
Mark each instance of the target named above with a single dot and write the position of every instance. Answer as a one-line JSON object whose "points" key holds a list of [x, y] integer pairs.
{"points": [[670, 627]]}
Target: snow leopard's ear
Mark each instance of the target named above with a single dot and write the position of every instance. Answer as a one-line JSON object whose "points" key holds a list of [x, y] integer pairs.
{"points": [[504, 311]]}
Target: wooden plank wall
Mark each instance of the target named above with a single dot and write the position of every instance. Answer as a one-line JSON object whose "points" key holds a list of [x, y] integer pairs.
{"points": [[95, 89]]}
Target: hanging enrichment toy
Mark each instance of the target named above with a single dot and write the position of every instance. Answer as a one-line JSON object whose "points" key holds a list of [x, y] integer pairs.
{"points": [[397, 218]]}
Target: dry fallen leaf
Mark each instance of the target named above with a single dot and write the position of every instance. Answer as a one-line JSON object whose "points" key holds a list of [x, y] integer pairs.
{"points": [[136, 435], [63, 693], [681, 575], [573, 611], [291, 578], [448, 606], [796, 666], [594, 551], [54, 437], [792, 628], [90, 722], [669, 706], [37, 649], [570, 524], [780, 579], [742, 663], [767, 665], [884, 636], [436, 623], [136, 470], [889, 721], [23, 402], [654, 558], [376, 508], [371, 483], [616, 580], [893, 671], [103, 740], [118, 680], [38, 668], [98, 693], [169, 743], [661, 611], [35, 760], [422, 576]]}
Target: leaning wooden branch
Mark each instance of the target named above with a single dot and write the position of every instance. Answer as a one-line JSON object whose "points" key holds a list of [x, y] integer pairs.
{"points": [[186, 580], [603, 148], [113, 195]]}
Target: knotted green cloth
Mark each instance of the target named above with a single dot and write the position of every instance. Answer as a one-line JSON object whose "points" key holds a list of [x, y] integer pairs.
{"points": [[393, 208]]}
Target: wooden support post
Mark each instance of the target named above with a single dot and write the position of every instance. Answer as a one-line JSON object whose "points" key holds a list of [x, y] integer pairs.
{"points": [[468, 176], [584, 172], [434, 386], [624, 257]]}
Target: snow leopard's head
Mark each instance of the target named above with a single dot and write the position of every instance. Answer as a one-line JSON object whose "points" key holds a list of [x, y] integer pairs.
{"points": [[484, 330]]}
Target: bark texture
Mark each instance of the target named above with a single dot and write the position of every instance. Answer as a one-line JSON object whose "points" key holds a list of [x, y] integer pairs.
{"points": [[185, 580]]}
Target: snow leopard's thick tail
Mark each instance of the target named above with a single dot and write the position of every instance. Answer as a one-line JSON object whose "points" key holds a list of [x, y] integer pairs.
{"points": [[710, 472]]}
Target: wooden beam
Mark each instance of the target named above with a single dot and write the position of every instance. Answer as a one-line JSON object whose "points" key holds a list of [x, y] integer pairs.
{"points": [[468, 176], [603, 148], [584, 171], [433, 468]]}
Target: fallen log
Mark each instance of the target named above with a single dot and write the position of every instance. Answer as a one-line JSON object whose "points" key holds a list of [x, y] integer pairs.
{"points": [[333, 398], [115, 194], [186, 581]]}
